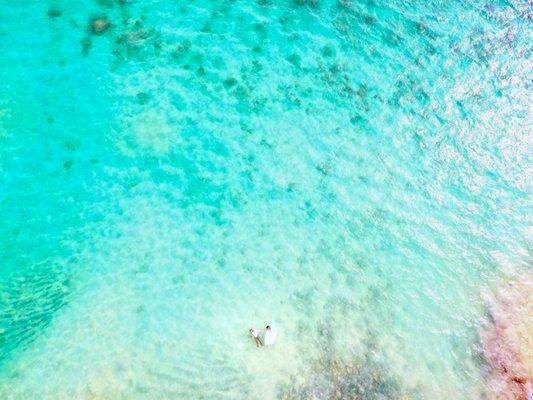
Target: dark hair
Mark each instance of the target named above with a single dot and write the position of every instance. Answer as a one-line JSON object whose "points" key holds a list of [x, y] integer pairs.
{"points": [[268, 326]]}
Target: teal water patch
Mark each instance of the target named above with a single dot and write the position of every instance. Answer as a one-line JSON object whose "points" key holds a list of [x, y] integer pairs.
{"points": [[354, 173]]}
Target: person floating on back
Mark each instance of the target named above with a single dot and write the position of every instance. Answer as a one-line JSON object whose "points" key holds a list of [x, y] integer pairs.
{"points": [[255, 334], [270, 336]]}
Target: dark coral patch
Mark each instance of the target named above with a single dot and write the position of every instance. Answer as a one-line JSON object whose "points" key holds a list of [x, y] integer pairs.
{"points": [[68, 164], [142, 98], [54, 13], [99, 25], [328, 51], [230, 82], [86, 45]]}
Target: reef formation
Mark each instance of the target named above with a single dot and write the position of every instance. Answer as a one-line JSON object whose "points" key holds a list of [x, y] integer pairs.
{"points": [[359, 378], [506, 344]]}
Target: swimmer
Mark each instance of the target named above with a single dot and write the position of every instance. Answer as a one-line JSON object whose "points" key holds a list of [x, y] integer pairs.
{"points": [[270, 336], [253, 333]]}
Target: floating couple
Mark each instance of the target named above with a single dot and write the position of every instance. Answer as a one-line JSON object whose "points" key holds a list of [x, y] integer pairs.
{"points": [[268, 337]]}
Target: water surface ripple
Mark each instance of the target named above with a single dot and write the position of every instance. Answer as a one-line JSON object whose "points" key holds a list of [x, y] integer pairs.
{"points": [[355, 173]]}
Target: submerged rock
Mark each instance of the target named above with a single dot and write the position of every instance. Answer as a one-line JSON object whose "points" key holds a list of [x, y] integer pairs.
{"points": [[99, 25]]}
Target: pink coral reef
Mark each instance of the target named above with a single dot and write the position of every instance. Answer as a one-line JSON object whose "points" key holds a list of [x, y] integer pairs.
{"points": [[507, 341]]}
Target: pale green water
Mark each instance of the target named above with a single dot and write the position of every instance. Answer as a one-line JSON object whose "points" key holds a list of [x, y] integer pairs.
{"points": [[357, 174]]}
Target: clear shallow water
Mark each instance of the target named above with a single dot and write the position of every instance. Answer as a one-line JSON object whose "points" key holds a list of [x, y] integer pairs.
{"points": [[355, 173]]}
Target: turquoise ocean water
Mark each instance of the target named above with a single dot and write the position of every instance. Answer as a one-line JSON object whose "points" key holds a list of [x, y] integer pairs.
{"points": [[355, 173]]}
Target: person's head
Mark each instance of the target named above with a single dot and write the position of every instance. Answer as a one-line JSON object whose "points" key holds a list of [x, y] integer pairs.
{"points": [[267, 327]]}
